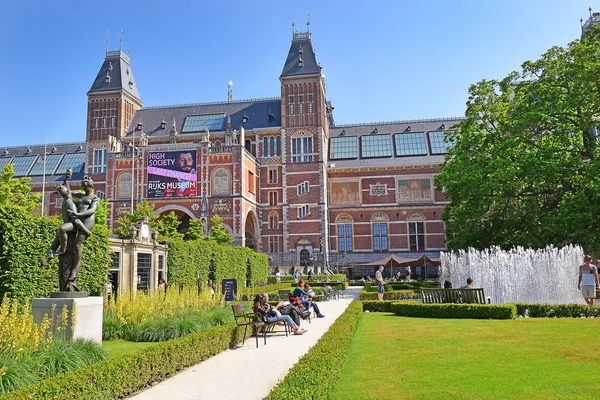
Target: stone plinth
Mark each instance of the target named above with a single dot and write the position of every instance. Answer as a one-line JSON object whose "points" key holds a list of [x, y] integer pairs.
{"points": [[88, 316]]}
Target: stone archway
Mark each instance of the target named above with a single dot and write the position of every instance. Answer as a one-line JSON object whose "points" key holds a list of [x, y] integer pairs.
{"points": [[251, 231], [183, 215]]}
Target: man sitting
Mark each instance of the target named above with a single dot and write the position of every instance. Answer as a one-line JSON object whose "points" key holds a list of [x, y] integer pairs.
{"points": [[306, 298]]}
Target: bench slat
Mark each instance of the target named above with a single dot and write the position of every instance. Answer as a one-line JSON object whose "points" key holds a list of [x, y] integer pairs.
{"points": [[467, 296]]}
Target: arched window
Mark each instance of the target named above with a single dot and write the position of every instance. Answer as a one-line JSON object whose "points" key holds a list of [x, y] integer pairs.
{"points": [[272, 146], [266, 147], [278, 145], [273, 220], [379, 227], [248, 146]]}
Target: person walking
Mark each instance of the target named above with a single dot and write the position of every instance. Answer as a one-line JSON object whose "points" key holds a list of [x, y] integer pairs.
{"points": [[588, 280], [380, 283]]}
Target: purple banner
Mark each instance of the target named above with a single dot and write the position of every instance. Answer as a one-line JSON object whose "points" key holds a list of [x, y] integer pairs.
{"points": [[172, 174]]}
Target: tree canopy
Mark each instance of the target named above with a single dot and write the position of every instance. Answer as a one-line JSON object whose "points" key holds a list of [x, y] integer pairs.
{"points": [[524, 167]]}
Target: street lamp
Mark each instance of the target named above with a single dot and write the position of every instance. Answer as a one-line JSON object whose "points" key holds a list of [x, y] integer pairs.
{"points": [[198, 281]]}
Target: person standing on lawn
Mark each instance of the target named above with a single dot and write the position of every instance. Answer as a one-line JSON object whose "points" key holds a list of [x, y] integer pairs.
{"points": [[588, 280], [380, 283]]}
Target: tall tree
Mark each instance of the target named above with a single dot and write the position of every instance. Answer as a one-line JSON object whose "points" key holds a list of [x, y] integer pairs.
{"points": [[218, 233], [195, 230], [142, 210], [168, 227], [524, 166], [16, 192]]}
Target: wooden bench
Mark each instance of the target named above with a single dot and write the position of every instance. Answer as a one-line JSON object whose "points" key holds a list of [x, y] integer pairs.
{"points": [[466, 296]]}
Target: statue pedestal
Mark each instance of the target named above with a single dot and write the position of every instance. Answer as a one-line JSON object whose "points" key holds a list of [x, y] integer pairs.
{"points": [[88, 316]]}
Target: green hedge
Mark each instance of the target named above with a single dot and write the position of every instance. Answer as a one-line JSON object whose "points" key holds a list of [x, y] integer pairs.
{"points": [[556, 310], [316, 374], [24, 240], [473, 311], [119, 377], [188, 257], [290, 278], [377, 306], [394, 295]]}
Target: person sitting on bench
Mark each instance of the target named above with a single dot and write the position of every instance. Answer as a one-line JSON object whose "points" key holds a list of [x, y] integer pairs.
{"points": [[271, 314], [306, 299]]}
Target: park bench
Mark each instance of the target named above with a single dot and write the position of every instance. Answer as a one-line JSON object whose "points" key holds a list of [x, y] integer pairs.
{"points": [[466, 296], [244, 319]]}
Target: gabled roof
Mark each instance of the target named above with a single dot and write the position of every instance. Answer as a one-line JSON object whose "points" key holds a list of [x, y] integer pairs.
{"points": [[301, 49], [260, 113], [120, 77]]}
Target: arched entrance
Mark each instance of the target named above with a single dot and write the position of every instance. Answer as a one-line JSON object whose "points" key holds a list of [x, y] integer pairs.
{"points": [[183, 215], [251, 231]]}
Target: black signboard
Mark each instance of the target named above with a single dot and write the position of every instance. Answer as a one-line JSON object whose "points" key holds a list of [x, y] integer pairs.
{"points": [[229, 289]]}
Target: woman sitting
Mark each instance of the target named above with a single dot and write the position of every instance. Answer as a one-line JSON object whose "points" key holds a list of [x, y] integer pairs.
{"points": [[306, 299], [270, 314]]}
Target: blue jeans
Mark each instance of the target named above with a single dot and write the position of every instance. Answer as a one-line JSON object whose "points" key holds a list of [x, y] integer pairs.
{"points": [[286, 318], [306, 303]]}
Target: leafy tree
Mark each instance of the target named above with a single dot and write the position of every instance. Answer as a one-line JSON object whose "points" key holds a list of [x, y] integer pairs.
{"points": [[195, 230], [16, 192], [524, 169], [167, 227], [142, 210], [218, 232]]}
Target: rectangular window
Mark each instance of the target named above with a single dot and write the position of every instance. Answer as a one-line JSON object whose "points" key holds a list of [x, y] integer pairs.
{"points": [[380, 237], [410, 144], [99, 161], [273, 244], [272, 175], [161, 267], [310, 104], [144, 264], [303, 188], [343, 147], [416, 236], [197, 123], [302, 149], [116, 261], [438, 143], [251, 182], [375, 146], [344, 237], [273, 221], [273, 197], [291, 105], [303, 211], [300, 109]]}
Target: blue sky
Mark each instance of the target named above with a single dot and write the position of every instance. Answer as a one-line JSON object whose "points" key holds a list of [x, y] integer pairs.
{"points": [[384, 60]]}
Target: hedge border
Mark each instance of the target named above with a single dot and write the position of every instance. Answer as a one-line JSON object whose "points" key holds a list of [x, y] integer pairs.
{"points": [[556, 310], [453, 310], [391, 295], [119, 377], [315, 375]]}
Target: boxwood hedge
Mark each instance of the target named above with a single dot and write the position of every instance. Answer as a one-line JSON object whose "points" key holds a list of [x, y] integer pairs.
{"points": [[556, 310], [474, 311], [316, 374], [121, 376], [393, 295]]}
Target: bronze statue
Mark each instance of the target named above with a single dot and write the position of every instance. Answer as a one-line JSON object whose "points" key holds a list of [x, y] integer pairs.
{"points": [[78, 222]]}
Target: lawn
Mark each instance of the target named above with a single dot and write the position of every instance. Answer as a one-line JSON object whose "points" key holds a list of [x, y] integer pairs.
{"points": [[417, 358], [122, 347]]}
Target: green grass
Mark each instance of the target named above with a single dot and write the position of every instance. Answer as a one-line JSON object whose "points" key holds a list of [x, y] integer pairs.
{"points": [[116, 348], [416, 358]]}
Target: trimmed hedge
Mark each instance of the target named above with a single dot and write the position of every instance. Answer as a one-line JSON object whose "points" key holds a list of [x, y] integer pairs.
{"points": [[121, 376], [377, 306], [290, 278], [316, 374], [556, 310], [393, 295], [451, 310], [188, 257]]}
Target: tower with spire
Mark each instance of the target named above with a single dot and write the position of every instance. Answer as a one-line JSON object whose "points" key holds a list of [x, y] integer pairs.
{"points": [[113, 100], [304, 134]]}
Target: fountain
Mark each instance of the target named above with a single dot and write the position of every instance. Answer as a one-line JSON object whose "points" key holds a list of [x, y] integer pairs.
{"points": [[519, 275]]}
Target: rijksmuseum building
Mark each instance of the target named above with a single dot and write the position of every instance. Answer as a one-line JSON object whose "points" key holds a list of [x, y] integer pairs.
{"points": [[283, 176]]}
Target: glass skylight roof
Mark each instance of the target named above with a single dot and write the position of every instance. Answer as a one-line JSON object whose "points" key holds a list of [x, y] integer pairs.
{"points": [[343, 147], [375, 146], [436, 141], [410, 144], [197, 123], [4, 161], [23, 164], [52, 161], [75, 161]]}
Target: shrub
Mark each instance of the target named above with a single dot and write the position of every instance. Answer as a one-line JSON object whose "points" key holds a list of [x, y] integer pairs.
{"points": [[474, 311], [315, 375], [334, 278], [556, 310], [121, 376], [377, 306], [394, 295]]}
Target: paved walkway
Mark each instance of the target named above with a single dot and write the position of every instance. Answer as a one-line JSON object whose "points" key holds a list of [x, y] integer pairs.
{"points": [[248, 372]]}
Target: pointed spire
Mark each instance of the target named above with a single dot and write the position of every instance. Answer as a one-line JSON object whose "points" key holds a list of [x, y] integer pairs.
{"points": [[293, 25], [107, 41], [121, 40], [308, 22]]}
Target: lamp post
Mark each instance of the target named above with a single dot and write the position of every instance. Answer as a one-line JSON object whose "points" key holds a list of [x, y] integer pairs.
{"points": [[44, 175], [198, 281]]}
